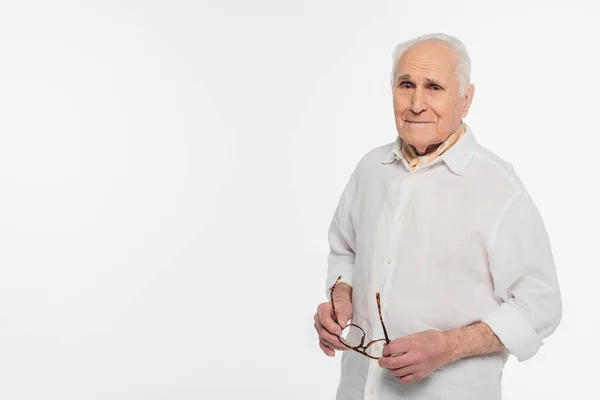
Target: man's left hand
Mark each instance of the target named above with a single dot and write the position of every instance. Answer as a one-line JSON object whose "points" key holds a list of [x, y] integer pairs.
{"points": [[415, 356]]}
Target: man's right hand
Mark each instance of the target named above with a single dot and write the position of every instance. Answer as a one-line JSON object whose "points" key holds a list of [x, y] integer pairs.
{"points": [[326, 327]]}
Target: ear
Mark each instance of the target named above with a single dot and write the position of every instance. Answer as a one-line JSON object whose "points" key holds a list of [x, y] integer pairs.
{"points": [[469, 93]]}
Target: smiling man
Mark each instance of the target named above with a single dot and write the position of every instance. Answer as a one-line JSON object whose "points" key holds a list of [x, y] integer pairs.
{"points": [[438, 255]]}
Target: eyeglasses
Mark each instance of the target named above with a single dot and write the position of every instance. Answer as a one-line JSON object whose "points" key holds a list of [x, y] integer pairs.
{"points": [[360, 345]]}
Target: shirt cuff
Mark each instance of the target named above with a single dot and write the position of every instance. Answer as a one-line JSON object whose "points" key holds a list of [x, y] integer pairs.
{"points": [[514, 331], [347, 277]]}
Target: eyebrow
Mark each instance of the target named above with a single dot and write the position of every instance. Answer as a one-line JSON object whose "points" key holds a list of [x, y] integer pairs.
{"points": [[407, 77]]}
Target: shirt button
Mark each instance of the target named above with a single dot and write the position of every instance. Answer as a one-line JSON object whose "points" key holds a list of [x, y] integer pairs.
{"points": [[389, 260], [372, 390], [400, 218], [376, 347], [410, 177]]}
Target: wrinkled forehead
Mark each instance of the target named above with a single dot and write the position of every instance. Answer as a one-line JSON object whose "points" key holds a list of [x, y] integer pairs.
{"points": [[429, 60]]}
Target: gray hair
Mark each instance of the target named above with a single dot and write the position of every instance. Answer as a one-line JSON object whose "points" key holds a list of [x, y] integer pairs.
{"points": [[463, 69]]}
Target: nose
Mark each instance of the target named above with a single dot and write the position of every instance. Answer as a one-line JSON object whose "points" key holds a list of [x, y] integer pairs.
{"points": [[417, 103]]}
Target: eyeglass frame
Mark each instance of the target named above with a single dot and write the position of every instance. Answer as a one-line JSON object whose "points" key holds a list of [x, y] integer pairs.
{"points": [[361, 348]]}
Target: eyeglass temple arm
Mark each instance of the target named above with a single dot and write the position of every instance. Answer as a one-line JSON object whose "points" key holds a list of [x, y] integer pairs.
{"points": [[333, 313], [387, 339]]}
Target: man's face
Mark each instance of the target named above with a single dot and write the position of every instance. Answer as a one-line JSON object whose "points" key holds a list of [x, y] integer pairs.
{"points": [[427, 104]]}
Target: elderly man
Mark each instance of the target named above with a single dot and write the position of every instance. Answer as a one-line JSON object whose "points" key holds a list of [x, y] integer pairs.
{"points": [[438, 254]]}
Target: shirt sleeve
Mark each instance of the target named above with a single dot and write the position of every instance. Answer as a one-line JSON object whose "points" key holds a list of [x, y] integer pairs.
{"points": [[342, 240], [525, 280]]}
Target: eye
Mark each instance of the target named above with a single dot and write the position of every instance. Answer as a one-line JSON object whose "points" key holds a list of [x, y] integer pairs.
{"points": [[436, 88], [405, 85]]}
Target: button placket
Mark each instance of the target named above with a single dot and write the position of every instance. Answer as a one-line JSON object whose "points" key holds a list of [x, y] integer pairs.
{"points": [[390, 262], [396, 231]]}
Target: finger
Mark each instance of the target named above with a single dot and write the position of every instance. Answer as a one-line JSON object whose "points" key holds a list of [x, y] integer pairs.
{"points": [[409, 378], [343, 321], [317, 319], [404, 371], [331, 345], [396, 347], [327, 350], [326, 320], [328, 342], [395, 362], [331, 340]]}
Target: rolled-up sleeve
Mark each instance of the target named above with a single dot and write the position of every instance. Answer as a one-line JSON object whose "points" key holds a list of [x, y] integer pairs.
{"points": [[525, 280], [342, 241]]}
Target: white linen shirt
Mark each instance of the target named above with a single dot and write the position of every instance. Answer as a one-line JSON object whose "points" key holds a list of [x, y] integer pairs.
{"points": [[451, 243]]}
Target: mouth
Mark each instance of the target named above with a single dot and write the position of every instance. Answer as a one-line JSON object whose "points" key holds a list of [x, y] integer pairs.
{"points": [[418, 122]]}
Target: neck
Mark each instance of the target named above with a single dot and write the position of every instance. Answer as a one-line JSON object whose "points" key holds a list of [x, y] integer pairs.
{"points": [[433, 147], [428, 149]]}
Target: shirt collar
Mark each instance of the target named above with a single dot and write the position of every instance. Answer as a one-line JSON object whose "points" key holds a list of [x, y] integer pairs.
{"points": [[456, 157], [459, 156], [395, 153]]}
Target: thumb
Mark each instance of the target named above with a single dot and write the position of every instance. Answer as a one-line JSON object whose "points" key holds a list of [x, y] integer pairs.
{"points": [[343, 319]]}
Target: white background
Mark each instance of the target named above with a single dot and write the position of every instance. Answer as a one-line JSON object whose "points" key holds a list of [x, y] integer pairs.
{"points": [[168, 171]]}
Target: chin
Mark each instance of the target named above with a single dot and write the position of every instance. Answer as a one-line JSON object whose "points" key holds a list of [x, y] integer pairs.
{"points": [[419, 136], [419, 140]]}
